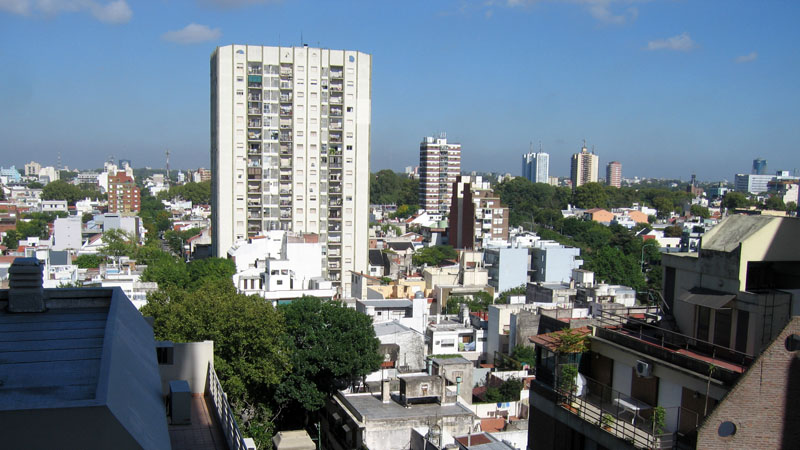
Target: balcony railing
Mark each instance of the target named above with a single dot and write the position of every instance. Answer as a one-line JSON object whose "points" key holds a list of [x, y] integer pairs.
{"points": [[222, 409], [605, 408]]}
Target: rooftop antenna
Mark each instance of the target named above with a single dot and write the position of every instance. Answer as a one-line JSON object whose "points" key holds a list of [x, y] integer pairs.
{"points": [[540, 146], [166, 181], [59, 161]]}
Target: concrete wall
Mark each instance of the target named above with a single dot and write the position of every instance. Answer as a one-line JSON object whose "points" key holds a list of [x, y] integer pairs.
{"points": [[190, 363]]}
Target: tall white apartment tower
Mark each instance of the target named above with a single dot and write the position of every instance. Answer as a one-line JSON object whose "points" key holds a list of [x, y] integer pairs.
{"points": [[536, 167], [439, 165], [584, 167], [290, 143]]}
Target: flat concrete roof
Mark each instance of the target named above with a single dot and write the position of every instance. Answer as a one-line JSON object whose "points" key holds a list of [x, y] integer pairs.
{"points": [[384, 328], [389, 303], [371, 407]]}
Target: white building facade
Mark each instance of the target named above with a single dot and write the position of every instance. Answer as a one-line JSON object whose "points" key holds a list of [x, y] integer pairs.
{"points": [[290, 144], [536, 167]]}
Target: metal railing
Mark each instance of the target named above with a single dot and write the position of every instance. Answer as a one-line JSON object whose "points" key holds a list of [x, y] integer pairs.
{"points": [[602, 406], [670, 340], [225, 415]]}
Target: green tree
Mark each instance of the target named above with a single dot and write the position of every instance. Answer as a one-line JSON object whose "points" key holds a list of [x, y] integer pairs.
{"points": [[88, 261], [251, 352], [525, 354], [699, 211], [390, 188], [673, 231], [775, 203], [590, 195], [117, 243], [176, 239], [664, 206], [611, 265], [434, 255], [197, 193], [331, 345], [168, 271], [791, 207], [11, 239], [61, 190], [503, 297], [35, 185], [478, 301], [211, 268], [733, 200]]}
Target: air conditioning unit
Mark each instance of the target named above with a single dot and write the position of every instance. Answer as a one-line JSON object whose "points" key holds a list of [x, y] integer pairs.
{"points": [[644, 368], [179, 402]]}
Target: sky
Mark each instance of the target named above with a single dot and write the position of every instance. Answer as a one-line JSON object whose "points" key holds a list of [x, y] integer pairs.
{"points": [[666, 87]]}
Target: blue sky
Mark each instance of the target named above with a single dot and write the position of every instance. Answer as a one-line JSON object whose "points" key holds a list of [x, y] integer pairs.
{"points": [[667, 87]]}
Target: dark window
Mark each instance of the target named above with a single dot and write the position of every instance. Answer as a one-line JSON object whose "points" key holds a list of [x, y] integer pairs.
{"points": [[165, 355], [703, 321], [722, 327], [742, 324]]}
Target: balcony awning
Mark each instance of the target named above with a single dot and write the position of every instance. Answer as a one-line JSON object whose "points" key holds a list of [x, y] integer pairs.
{"points": [[707, 297]]}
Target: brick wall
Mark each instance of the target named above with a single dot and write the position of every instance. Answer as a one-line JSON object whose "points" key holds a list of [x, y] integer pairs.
{"points": [[764, 406]]}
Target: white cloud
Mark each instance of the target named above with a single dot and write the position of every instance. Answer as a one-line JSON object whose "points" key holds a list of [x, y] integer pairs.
{"points": [[192, 34], [750, 57], [116, 11], [16, 6], [681, 43], [602, 10]]}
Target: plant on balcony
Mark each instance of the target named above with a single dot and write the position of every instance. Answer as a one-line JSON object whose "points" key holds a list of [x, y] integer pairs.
{"points": [[571, 341], [566, 382], [607, 420], [658, 419]]}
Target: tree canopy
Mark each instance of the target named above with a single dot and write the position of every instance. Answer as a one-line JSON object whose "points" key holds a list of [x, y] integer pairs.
{"points": [[62, 190], [434, 255], [390, 188], [331, 347], [197, 193]]}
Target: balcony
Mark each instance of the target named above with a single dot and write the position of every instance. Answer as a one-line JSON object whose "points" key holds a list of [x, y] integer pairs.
{"points": [[286, 72], [254, 135], [254, 111], [675, 348], [285, 137], [254, 123], [286, 98], [285, 85], [336, 87], [336, 73], [254, 97], [335, 100], [286, 111]]}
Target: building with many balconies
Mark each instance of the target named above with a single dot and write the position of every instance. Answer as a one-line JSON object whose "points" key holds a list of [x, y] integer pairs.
{"points": [[290, 143], [439, 165]]}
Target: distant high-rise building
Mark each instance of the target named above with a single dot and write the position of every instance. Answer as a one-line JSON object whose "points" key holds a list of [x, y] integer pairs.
{"points": [[290, 143], [584, 167], [536, 166], [476, 214], [759, 166], [439, 165], [614, 174], [123, 194]]}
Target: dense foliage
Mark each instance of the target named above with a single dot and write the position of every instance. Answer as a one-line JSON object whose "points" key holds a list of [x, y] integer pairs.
{"points": [[434, 255], [331, 346], [197, 193], [62, 190]]}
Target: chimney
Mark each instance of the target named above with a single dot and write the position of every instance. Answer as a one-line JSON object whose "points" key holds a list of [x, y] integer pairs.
{"points": [[386, 391], [26, 293]]}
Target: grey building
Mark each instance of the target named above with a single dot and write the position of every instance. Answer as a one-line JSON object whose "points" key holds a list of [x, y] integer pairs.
{"points": [[552, 262], [507, 267]]}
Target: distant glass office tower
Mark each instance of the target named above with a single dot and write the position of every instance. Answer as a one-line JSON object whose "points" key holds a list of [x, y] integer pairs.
{"points": [[614, 174], [584, 167], [290, 144], [536, 167], [439, 165], [759, 166]]}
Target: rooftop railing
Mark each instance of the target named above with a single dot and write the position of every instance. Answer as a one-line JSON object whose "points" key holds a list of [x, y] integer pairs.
{"points": [[222, 409]]}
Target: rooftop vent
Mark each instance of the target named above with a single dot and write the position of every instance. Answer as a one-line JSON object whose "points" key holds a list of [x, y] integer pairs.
{"points": [[26, 293]]}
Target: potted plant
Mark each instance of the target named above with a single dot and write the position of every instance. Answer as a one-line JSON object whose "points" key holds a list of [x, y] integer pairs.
{"points": [[567, 385], [659, 419], [608, 421]]}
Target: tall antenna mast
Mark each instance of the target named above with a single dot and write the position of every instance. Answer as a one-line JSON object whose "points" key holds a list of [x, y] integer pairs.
{"points": [[166, 179]]}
